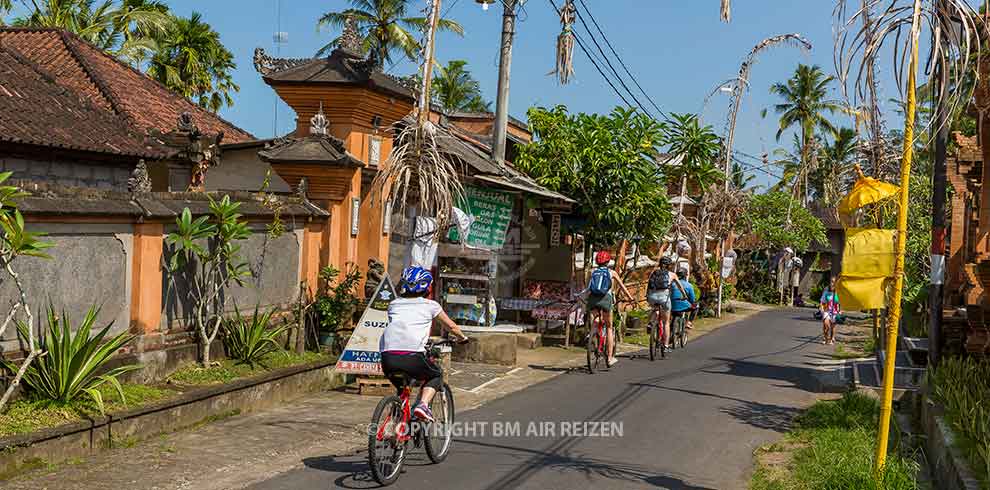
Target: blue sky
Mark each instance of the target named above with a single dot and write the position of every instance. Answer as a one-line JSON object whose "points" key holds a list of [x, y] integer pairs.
{"points": [[679, 51]]}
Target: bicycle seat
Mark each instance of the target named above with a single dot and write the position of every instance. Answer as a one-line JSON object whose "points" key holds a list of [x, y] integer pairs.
{"points": [[401, 379]]}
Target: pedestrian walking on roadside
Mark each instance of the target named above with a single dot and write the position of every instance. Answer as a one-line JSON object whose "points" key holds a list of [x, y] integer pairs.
{"points": [[829, 306]]}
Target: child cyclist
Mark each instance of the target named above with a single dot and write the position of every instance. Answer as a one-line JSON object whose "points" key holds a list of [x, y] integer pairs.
{"points": [[403, 344]]}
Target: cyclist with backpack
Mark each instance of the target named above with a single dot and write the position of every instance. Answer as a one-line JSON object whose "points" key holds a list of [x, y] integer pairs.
{"points": [[601, 297], [658, 296]]}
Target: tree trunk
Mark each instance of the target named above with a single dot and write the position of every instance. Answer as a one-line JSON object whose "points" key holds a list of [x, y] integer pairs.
{"points": [[204, 351]]}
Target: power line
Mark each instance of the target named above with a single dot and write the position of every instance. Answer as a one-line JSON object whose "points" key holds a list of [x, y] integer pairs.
{"points": [[595, 64], [619, 58], [443, 16], [611, 67]]}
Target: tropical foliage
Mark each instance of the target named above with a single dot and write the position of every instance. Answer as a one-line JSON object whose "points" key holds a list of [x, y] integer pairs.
{"points": [[608, 163], [74, 365], [184, 54], [385, 28], [16, 242], [455, 90], [804, 106], [962, 386], [126, 30], [191, 61], [834, 173], [779, 220], [337, 298], [698, 148], [250, 341], [204, 260]]}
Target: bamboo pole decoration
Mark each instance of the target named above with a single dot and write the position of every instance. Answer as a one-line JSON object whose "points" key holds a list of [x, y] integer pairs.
{"points": [[428, 50], [902, 215]]}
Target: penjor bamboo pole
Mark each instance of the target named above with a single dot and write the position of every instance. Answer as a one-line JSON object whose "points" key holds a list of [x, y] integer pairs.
{"points": [[902, 215]]}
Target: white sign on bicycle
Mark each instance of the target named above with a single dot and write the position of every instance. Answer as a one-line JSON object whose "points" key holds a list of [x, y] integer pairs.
{"points": [[362, 355]]}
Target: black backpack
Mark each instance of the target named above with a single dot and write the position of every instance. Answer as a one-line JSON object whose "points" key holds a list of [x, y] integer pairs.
{"points": [[659, 280]]}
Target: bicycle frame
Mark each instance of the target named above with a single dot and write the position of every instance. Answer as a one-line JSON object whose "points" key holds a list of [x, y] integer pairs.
{"points": [[402, 433], [599, 325]]}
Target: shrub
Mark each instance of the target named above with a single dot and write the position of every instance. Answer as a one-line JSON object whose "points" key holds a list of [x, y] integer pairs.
{"points": [[248, 342], [74, 364], [337, 299], [963, 387]]}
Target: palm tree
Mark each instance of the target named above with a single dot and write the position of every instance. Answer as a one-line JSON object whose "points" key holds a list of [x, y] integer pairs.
{"points": [[740, 179], [123, 30], [384, 27], [456, 90], [805, 103], [5, 6], [191, 61], [698, 148], [833, 175]]}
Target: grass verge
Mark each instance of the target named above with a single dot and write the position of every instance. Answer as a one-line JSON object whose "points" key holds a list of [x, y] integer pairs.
{"points": [[28, 415], [832, 447], [227, 370]]}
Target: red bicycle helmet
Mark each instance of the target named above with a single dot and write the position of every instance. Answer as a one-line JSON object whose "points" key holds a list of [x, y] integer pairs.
{"points": [[603, 257]]}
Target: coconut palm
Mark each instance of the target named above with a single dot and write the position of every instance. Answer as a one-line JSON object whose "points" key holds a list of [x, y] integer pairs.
{"points": [[456, 90], [740, 179], [122, 30], [384, 26], [5, 6], [190, 60], [805, 104], [833, 175]]}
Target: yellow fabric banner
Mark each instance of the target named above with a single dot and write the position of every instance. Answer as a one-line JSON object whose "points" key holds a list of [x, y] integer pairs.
{"points": [[869, 253], [866, 190], [859, 293]]}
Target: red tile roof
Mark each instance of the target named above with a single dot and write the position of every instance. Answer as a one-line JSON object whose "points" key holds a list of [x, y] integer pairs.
{"points": [[110, 84], [35, 110]]}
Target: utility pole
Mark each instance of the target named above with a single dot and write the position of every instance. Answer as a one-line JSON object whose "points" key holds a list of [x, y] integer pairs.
{"points": [[504, 67], [936, 291]]}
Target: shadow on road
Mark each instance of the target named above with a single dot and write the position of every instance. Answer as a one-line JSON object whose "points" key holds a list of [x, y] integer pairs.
{"points": [[356, 472], [558, 369], [587, 466]]}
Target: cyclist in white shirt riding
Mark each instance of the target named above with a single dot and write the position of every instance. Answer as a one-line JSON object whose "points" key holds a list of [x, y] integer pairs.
{"points": [[403, 344]]}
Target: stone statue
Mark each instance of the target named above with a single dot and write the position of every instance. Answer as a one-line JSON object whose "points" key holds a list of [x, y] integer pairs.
{"points": [[376, 272], [302, 188], [139, 181]]}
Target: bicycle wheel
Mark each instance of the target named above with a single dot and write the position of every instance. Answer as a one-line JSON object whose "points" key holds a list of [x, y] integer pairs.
{"points": [[662, 339], [440, 433], [684, 333], [592, 350], [653, 340], [385, 453], [681, 331]]}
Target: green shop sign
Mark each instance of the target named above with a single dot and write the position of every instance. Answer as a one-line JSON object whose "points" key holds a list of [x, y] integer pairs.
{"points": [[492, 211]]}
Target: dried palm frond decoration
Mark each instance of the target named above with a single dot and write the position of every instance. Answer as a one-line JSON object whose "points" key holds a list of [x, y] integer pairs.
{"points": [[740, 84], [565, 44], [864, 30], [726, 10], [417, 169]]}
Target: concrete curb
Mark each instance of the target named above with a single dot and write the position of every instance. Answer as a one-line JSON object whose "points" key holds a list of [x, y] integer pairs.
{"points": [[948, 465], [84, 438]]}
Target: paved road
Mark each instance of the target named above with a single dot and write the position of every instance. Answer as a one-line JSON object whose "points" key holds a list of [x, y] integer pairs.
{"points": [[689, 422]]}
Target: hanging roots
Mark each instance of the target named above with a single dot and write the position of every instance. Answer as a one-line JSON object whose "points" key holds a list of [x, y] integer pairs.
{"points": [[565, 45], [417, 170], [726, 10]]}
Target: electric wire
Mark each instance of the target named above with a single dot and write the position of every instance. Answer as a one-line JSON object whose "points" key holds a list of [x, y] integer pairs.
{"points": [[621, 62]]}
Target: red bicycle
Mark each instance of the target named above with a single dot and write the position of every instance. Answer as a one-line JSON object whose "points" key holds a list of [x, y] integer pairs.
{"points": [[392, 427], [658, 338], [596, 342]]}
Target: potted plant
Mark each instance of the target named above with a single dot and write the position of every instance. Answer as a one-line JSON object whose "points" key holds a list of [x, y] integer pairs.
{"points": [[336, 301]]}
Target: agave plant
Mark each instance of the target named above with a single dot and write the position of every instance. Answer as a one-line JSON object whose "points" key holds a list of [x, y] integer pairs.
{"points": [[74, 364], [250, 341]]}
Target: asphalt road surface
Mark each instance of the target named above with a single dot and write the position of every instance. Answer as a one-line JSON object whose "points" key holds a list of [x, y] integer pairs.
{"points": [[690, 421]]}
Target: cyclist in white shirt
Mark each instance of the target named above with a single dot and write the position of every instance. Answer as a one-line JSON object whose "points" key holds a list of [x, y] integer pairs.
{"points": [[403, 344]]}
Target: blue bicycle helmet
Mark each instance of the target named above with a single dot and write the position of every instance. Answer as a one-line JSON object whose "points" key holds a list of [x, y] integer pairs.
{"points": [[415, 280]]}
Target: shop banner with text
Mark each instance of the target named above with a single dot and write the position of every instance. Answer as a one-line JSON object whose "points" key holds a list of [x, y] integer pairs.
{"points": [[492, 212]]}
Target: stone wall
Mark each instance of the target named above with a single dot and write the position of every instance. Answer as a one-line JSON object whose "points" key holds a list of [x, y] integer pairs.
{"points": [[90, 265], [68, 172], [109, 250]]}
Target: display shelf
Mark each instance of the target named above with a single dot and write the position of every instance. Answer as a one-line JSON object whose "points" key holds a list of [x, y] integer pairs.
{"points": [[468, 277]]}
